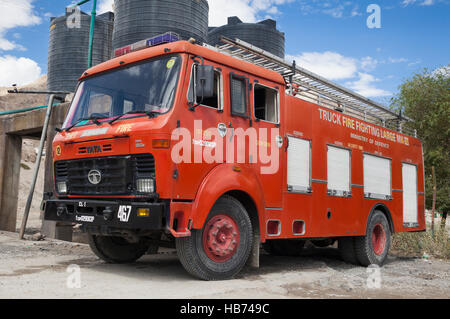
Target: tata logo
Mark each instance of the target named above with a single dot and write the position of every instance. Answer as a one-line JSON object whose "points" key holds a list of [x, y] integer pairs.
{"points": [[94, 149], [94, 176]]}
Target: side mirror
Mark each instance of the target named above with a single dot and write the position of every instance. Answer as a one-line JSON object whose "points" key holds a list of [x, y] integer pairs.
{"points": [[205, 81]]}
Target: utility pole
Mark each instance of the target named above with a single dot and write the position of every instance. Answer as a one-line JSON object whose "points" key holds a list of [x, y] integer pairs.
{"points": [[91, 31]]}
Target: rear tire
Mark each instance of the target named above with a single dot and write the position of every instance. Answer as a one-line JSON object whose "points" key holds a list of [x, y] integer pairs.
{"points": [[374, 247], [284, 247], [114, 249], [221, 248]]}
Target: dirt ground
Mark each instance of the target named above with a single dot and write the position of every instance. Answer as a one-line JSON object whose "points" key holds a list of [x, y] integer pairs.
{"points": [[39, 269]]}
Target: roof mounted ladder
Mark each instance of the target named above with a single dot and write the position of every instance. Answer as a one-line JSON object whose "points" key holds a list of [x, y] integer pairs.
{"points": [[306, 85]]}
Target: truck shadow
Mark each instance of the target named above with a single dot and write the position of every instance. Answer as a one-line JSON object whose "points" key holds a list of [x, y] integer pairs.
{"points": [[166, 266]]}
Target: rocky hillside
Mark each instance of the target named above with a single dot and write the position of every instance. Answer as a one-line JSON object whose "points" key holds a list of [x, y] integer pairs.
{"points": [[17, 101]]}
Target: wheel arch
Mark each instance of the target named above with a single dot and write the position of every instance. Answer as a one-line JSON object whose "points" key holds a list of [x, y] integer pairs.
{"points": [[385, 210], [244, 186], [247, 201]]}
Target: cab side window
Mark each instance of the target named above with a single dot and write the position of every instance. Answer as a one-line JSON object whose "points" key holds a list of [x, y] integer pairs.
{"points": [[238, 95], [266, 103], [216, 100]]}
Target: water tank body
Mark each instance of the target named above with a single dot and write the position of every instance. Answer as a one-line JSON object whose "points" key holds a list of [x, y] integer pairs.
{"points": [[136, 20], [69, 46], [263, 34]]}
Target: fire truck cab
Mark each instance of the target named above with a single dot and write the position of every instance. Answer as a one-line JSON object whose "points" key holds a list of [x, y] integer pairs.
{"points": [[217, 152]]}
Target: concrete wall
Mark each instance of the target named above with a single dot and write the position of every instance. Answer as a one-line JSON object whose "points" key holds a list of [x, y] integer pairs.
{"points": [[12, 129]]}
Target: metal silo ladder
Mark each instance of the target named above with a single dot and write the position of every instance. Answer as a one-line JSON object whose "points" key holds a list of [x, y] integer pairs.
{"points": [[306, 85]]}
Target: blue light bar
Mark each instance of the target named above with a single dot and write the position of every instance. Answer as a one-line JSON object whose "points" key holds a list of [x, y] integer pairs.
{"points": [[164, 38], [167, 37]]}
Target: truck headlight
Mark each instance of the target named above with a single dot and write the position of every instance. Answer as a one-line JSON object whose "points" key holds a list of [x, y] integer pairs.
{"points": [[61, 187], [145, 185]]}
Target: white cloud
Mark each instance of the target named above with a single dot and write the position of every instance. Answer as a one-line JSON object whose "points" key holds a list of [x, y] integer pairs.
{"points": [[330, 65], [105, 6], [335, 8], [334, 66], [20, 71], [18, 13], [336, 12], [398, 60], [365, 86], [415, 63], [368, 63], [355, 12], [246, 10], [220, 10], [406, 3]]}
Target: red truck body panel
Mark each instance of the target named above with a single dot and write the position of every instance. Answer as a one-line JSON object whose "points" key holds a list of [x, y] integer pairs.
{"points": [[199, 185]]}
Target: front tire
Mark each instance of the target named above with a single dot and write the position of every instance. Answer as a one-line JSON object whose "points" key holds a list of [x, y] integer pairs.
{"points": [[374, 247], [114, 249], [221, 248]]}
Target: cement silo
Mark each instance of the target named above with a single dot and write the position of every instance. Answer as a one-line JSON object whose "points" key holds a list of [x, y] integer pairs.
{"points": [[263, 34], [69, 46], [136, 20]]}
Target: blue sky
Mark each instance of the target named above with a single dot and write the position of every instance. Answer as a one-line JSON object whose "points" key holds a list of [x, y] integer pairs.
{"points": [[329, 37]]}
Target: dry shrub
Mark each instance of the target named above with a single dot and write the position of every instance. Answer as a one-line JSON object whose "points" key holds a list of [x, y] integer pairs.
{"points": [[422, 244]]}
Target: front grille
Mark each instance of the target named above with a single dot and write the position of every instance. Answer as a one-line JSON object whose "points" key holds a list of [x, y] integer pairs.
{"points": [[143, 165], [118, 174]]}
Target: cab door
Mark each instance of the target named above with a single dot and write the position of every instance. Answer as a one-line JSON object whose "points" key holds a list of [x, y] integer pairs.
{"points": [[199, 119], [266, 117], [257, 139]]}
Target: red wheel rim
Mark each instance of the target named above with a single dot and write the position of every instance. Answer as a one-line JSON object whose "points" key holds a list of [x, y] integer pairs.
{"points": [[220, 238], [378, 239]]}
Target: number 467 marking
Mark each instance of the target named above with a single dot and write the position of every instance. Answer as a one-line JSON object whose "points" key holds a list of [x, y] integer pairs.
{"points": [[124, 213]]}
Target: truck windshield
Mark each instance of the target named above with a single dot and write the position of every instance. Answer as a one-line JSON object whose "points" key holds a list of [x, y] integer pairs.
{"points": [[147, 87]]}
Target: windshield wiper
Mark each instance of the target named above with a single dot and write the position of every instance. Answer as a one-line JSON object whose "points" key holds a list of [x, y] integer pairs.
{"points": [[150, 114], [94, 119]]}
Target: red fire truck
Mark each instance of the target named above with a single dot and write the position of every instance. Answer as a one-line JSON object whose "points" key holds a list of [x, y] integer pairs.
{"points": [[217, 150]]}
